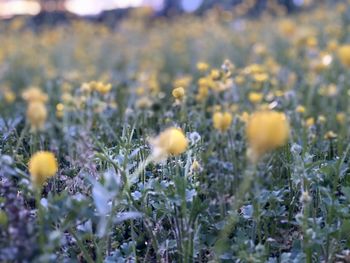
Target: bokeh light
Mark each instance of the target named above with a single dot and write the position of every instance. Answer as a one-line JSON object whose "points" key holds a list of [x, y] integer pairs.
{"points": [[18, 7]]}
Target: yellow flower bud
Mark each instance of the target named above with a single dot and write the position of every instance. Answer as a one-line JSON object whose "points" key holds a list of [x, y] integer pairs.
{"points": [[34, 94], [255, 97], [36, 114], [344, 55], [202, 66], [222, 121], [178, 93], [300, 109], [9, 96], [330, 135], [172, 141], [310, 122], [341, 117], [42, 165], [266, 130]]}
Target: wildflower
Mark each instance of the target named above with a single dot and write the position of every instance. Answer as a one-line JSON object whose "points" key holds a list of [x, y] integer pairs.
{"points": [[202, 94], [195, 167], [244, 117], [239, 80], [184, 82], [310, 122], [321, 119], [222, 121], [103, 88], [215, 74], [9, 96], [59, 110], [42, 165], [341, 117], [143, 103], [96, 86], [300, 109], [202, 66], [253, 69], [178, 93], [85, 88], [172, 141], [287, 27], [34, 94], [36, 114], [255, 97], [330, 135], [344, 55], [261, 77], [266, 130]]}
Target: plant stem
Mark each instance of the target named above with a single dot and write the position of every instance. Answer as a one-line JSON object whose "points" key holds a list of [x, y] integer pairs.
{"points": [[80, 244]]}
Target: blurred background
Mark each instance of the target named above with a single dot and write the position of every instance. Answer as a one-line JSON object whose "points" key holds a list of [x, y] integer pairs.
{"points": [[59, 9]]}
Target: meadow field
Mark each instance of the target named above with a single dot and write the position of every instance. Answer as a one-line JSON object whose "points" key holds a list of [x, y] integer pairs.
{"points": [[214, 138]]}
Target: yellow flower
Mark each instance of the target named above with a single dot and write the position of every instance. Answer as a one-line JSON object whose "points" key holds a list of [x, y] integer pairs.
{"points": [[97, 86], [300, 109], [253, 69], [321, 119], [310, 122], [59, 110], [311, 42], [143, 103], [255, 97], [42, 165], [36, 114], [172, 141], [202, 93], [184, 82], [239, 80], [178, 93], [330, 135], [244, 117], [103, 88], [266, 131], [215, 74], [344, 55], [341, 117], [84, 88], [261, 77], [9, 96], [202, 66], [287, 27], [34, 94], [196, 167], [222, 121]]}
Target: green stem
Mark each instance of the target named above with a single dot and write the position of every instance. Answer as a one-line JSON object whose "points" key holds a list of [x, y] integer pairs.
{"points": [[40, 219], [80, 244], [238, 201]]}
